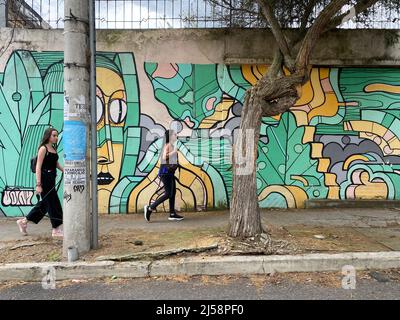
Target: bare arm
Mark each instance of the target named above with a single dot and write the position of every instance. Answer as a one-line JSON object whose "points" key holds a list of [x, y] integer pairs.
{"points": [[59, 167], [168, 152], [40, 158]]}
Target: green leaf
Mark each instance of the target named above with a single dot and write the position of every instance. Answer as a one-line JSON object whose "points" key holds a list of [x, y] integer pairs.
{"points": [[285, 156]]}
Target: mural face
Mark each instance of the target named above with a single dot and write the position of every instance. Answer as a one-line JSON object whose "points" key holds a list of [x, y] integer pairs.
{"points": [[341, 140], [111, 114]]}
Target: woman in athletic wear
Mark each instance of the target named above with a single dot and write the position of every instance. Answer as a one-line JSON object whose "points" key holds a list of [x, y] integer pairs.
{"points": [[169, 164]]}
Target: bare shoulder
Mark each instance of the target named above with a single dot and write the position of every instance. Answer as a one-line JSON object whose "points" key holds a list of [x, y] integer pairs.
{"points": [[168, 147], [42, 150]]}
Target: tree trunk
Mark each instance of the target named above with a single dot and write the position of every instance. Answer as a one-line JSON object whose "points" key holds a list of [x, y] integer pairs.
{"points": [[244, 211], [274, 93]]}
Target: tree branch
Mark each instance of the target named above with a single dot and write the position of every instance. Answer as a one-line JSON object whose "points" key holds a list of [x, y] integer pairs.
{"points": [[315, 31], [228, 5], [307, 12], [358, 8], [276, 66], [268, 13]]}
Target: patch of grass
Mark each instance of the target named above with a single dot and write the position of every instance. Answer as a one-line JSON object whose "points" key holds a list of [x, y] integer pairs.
{"points": [[54, 256]]}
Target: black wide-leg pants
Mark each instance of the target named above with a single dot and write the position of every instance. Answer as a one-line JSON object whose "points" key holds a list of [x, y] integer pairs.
{"points": [[50, 203]]}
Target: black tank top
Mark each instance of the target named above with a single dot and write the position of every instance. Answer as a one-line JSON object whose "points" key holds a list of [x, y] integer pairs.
{"points": [[50, 160]]}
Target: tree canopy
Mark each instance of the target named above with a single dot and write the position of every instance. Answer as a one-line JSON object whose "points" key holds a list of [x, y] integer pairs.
{"points": [[298, 13]]}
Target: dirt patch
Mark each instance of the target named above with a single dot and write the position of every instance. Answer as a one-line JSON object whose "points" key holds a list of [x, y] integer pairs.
{"points": [[333, 240], [37, 249], [282, 240], [122, 242]]}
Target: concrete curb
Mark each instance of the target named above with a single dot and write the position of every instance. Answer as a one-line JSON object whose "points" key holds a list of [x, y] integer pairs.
{"points": [[351, 203], [211, 265]]}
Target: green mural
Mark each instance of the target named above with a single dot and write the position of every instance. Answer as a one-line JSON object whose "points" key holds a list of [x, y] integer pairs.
{"points": [[340, 140]]}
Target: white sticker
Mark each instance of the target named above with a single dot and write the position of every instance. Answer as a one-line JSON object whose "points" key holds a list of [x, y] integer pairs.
{"points": [[75, 175], [66, 107], [67, 113]]}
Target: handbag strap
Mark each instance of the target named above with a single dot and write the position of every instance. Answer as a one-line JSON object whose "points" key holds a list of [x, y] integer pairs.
{"points": [[47, 151]]}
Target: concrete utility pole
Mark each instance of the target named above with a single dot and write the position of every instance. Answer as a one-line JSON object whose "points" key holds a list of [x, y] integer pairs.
{"points": [[3, 13], [93, 150], [77, 223]]}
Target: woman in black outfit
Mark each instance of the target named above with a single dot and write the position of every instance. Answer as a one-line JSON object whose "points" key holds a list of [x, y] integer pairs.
{"points": [[169, 163], [46, 167]]}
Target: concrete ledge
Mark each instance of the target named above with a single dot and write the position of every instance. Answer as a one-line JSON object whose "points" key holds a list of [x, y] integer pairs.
{"points": [[339, 47], [217, 265], [280, 264], [349, 203], [75, 270]]}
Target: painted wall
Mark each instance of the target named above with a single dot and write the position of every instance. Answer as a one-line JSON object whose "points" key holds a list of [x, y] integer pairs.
{"points": [[340, 140]]}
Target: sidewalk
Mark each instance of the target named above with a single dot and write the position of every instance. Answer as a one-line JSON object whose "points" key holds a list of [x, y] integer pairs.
{"points": [[307, 231]]}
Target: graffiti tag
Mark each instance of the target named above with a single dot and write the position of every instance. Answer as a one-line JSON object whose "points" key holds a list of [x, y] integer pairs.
{"points": [[17, 197], [79, 188], [67, 197]]}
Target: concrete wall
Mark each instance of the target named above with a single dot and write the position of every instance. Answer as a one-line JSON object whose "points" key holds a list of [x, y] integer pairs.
{"points": [[341, 140], [337, 48]]}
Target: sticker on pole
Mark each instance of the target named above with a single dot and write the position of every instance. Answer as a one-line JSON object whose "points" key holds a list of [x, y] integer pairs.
{"points": [[66, 107], [75, 173], [75, 176], [74, 139]]}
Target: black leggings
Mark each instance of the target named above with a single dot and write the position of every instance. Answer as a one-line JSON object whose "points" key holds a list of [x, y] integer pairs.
{"points": [[49, 204], [169, 192]]}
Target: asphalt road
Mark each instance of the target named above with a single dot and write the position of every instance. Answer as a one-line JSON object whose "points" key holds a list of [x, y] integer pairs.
{"points": [[205, 288]]}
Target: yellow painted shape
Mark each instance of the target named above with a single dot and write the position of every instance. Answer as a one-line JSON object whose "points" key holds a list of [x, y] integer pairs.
{"points": [[254, 72], [186, 177], [394, 143], [379, 129], [308, 135], [113, 167], [323, 164], [353, 158], [259, 70], [103, 200], [333, 192], [382, 87], [361, 125], [301, 117], [301, 179], [316, 149], [198, 189], [142, 197], [295, 196], [368, 189], [202, 175], [374, 190], [149, 181], [221, 113], [330, 179], [308, 93], [324, 73], [328, 109]]}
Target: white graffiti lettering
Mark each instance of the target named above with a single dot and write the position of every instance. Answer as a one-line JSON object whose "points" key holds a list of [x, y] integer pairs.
{"points": [[17, 197]]}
